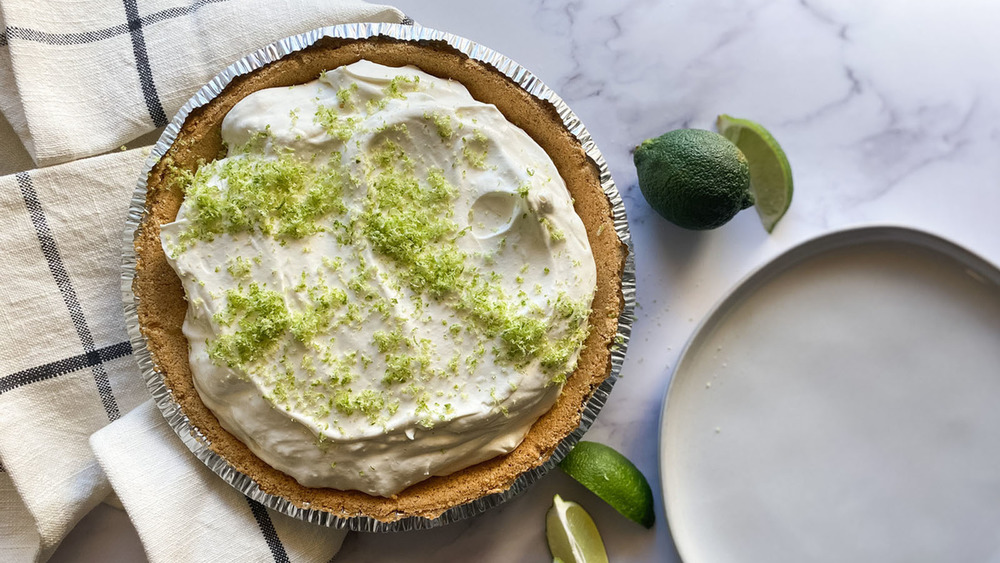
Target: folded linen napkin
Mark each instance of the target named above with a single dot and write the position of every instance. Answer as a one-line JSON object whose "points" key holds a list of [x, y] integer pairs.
{"points": [[64, 352], [65, 359], [90, 75], [179, 497]]}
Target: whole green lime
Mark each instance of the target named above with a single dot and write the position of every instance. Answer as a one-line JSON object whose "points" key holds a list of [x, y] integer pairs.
{"points": [[694, 178]]}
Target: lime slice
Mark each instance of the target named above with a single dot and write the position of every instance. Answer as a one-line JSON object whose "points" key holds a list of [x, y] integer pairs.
{"points": [[614, 478], [770, 174], [572, 534]]}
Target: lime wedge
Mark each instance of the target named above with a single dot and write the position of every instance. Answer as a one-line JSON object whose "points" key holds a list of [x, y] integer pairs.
{"points": [[770, 174], [611, 476], [572, 534]]}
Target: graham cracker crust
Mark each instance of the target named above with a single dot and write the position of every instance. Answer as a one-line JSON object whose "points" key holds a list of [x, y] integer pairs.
{"points": [[162, 306]]}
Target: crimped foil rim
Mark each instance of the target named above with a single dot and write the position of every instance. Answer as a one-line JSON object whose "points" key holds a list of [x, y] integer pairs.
{"points": [[190, 435]]}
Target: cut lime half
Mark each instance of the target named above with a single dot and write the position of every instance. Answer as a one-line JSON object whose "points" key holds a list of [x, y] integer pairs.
{"points": [[770, 173]]}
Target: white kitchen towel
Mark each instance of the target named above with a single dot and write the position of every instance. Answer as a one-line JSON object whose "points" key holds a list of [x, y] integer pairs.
{"points": [[79, 78], [65, 360], [17, 529], [64, 352], [181, 511]]}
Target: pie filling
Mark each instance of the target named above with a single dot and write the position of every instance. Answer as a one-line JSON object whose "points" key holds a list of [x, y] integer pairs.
{"points": [[386, 280]]}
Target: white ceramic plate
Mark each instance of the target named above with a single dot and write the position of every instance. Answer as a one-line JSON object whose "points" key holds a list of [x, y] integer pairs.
{"points": [[842, 404]]}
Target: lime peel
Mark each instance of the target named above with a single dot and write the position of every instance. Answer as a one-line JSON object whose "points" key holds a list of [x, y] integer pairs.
{"points": [[613, 478]]}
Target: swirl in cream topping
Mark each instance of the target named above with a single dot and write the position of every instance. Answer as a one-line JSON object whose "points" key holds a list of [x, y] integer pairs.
{"points": [[386, 279]]}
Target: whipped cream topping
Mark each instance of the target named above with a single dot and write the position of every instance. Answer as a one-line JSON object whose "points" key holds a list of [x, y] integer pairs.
{"points": [[386, 279]]}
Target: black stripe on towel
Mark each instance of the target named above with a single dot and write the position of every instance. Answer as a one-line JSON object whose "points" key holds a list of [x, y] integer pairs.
{"points": [[84, 37], [62, 367], [80, 38], [267, 530], [153, 104], [58, 270]]}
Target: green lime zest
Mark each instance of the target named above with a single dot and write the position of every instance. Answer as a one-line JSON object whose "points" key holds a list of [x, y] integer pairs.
{"points": [[284, 197], [368, 402], [476, 149], [442, 122], [261, 317], [400, 85]]}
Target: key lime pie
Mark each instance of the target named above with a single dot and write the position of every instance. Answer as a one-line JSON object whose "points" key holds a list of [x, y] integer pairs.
{"points": [[379, 278]]}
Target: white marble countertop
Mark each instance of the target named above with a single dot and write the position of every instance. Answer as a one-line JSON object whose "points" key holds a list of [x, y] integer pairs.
{"points": [[889, 113]]}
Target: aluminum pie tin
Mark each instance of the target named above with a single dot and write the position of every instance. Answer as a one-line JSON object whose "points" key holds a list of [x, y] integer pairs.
{"points": [[199, 444]]}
